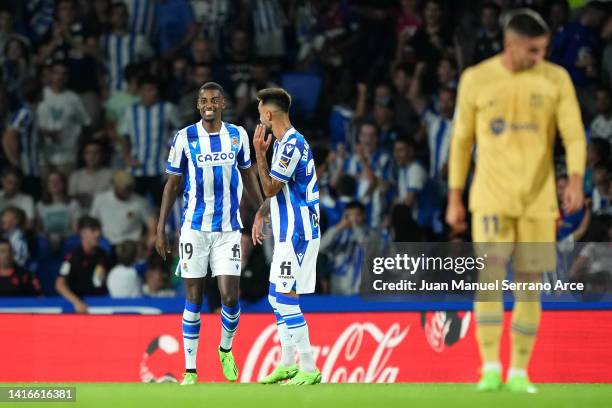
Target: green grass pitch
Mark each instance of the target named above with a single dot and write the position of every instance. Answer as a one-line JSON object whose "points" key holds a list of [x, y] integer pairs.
{"points": [[117, 395]]}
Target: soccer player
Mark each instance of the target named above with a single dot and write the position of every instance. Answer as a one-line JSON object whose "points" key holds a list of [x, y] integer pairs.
{"points": [[511, 106], [213, 157], [293, 206]]}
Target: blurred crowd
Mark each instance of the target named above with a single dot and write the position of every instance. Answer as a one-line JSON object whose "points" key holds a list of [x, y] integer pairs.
{"points": [[93, 91]]}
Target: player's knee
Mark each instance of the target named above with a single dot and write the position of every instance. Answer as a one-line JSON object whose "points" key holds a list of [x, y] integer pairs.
{"points": [[229, 299]]}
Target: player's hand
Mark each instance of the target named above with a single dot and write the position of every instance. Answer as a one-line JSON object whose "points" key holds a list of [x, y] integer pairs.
{"points": [[257, 233], [161, 245], [81, 307], [260, 142], [455, 216], [573, 197]]}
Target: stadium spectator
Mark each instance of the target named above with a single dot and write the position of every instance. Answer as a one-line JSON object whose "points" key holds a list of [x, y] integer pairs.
{"points": [[16, 66], [142, 17], [601, 126], [409, 178], [148, 127], [157, 280], [571, 227], [213, 17], [269, 22], [123, 280], [115, 108], [11, 195], [123, 213], [577, 47], [176, 26], [93, 178], [436, 131], [187, 107], [405, 114], [435, 38], [203, 52], [61, 117], [57, 213], [598, 152], [558, 15], [602, 179], [15, 280], [83, 272], [344, 244], [370, 166], [12, 222], [332, 207], [238, 59], [122, 47], [21, 139], [594, 264], [384, 115], [490, 36], [76, 45], [245, 96], [408, 21]]}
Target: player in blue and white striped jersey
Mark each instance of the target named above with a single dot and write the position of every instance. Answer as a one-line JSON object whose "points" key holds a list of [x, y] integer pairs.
{"points": [[213, 158], [293, 204], [122, 47], [21, 139], [147, 127]]}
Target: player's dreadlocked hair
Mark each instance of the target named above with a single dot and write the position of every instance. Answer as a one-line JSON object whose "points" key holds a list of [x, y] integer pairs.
{"points": [[526, 22], [276, 96]]}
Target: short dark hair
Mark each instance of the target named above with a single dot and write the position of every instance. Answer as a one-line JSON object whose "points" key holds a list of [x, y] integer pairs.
{"points": [[132, 71], [346, 186], [406, 140], [355, 205], [116, 4], [89, 222], [127, 252], [489, 5], [12, 171], [149, 80], [213, 86], [526, 22], [31, 90], [19, 214], [276, 96]]}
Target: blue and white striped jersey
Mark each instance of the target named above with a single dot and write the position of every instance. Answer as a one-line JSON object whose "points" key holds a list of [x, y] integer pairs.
{"points": [[148, 128], [374, 201], [294, 210], [142, 17], [121, 50], [24, 121], [209, 164]]}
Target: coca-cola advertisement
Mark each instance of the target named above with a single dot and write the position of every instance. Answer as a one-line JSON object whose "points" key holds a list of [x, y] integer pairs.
{"points": [[349, 347]]}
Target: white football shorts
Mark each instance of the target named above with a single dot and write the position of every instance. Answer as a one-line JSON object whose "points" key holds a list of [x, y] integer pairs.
{"points": [[293, 269], [198, 249]]}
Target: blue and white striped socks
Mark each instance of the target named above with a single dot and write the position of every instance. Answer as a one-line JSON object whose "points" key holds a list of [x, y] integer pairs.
{"points": [[230, 316], [287, 345], [289, 309], [191, 333]]}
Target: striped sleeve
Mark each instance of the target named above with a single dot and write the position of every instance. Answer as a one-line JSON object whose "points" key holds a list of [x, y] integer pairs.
{"points": [[177, 159], [244, 155]]}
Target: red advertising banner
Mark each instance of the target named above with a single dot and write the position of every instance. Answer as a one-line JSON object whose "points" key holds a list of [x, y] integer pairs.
{"points": [[572, 346]]}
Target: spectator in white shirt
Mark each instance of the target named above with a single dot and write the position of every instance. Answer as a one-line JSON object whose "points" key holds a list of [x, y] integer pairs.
{"points": [[61, 117], [93, 178], [57, 214], [601, 126], [123, 214], [123, 280]]}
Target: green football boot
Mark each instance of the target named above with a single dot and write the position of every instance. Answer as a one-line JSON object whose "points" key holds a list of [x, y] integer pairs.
{"points": [[230, 371], [490, 381], [305, 378], [189, 379], [280, 373], [520, 384]]}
